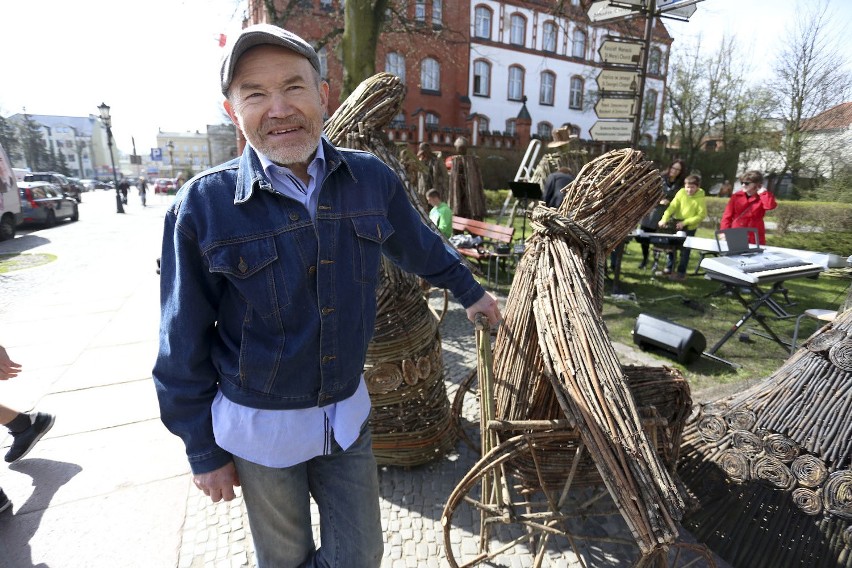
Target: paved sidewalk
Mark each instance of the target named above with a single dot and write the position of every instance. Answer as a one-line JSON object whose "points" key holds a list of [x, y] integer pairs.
{"points": [[109, 486]]}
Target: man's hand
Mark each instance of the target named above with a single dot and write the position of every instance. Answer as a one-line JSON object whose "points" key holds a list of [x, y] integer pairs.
{"points": [[8, 368], [487, 305], [218, 484]]}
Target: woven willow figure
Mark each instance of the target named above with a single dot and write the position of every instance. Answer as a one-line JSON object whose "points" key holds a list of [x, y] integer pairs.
{"points": [[465, 195], [411, 421], [553, 356], [775, 488]]}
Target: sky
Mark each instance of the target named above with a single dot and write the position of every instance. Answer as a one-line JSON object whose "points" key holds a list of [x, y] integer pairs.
{"points": [[156, 63]]}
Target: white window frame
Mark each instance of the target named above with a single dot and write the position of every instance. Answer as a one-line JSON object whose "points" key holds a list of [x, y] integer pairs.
{"points": [[575, 93], [578, 44], [482, 71], [482, 22], [515, 83], [549, 37], [395, 64], [430, 74], [548, 88], [517, 29]]}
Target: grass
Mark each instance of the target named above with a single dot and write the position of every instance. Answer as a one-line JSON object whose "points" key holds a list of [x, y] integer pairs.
{"points": [[697, 304]]}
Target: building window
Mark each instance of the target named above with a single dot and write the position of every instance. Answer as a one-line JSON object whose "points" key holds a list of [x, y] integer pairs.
{"points": [[511, 127], [481, 78], [548, 82], [482, 22], [518, 28], [650, 104], [544, 130], [575, 95], [395, 64], [420, 10], [548, 37], [516, 83], [431, 119], [430, 75], [398, 121], [437, 12], [483, 124], [654, 59], [578, 45]]}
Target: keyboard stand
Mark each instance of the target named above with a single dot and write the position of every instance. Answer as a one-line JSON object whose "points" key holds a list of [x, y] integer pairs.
{"points": [[761, 298]]}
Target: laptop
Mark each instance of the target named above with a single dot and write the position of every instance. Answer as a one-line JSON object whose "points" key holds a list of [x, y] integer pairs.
{"points": [[736, 241]]}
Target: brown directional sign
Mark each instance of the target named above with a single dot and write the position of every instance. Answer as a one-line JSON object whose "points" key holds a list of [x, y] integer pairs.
{"points": [[615, 108], [612, 131], [612, 80], [621, 52]]}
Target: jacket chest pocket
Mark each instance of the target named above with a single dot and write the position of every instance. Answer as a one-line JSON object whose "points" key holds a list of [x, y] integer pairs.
{"points": [[253, 269], [370, 232]]}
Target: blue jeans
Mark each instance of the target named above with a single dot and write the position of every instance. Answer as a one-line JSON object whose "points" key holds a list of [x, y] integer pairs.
{"points": [[345, 486], [684, 256]]}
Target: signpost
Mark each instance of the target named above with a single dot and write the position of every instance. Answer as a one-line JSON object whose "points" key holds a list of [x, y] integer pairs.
{"points": [[684, 13], [615, 108], [612, 131], [602, 11], [614, 80], [621, 52]]}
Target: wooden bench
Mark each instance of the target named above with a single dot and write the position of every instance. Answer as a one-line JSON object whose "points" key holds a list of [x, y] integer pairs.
{"points": [[491, 235]]}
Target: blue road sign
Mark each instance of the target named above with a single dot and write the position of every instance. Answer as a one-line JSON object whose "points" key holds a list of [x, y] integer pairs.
{"points": [[156, 154]]}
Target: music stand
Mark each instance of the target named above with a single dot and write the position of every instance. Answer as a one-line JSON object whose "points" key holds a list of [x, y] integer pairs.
{"points": [[523, 192]]}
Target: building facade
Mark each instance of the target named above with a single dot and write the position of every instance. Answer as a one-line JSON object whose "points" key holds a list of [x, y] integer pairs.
{"points": [[80, 140], [474, 67]]}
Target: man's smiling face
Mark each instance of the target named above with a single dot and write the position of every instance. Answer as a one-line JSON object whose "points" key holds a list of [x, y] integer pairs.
{"points": [[279, 103]]}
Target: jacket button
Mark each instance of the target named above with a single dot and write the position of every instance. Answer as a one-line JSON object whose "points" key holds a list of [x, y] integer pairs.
{"points": [[326, 311], [312, 270], [294, 216]]}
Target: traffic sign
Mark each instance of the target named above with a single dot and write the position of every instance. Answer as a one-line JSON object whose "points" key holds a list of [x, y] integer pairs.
{"points": [[666, 5], [615, 108], [684, 12], [613, 80], [602, 11], [612, 131], [156, 154], [621, 52]]}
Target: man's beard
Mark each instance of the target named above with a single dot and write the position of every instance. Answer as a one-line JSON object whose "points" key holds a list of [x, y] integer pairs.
{"points": [[286, 155]]}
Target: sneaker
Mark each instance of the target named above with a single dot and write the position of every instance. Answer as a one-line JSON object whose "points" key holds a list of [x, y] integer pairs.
{"points": [[643, 264], [5, 503], [25, 441]]}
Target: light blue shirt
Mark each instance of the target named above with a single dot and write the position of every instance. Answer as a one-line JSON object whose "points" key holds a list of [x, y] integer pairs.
{"points": [[283, 438]]}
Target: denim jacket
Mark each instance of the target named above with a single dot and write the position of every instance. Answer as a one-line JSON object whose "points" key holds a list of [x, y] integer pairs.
{"points": [[274, 309]]}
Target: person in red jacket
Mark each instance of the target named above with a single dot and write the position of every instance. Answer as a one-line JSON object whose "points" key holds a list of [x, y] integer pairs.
{"points": [[746, 208]]}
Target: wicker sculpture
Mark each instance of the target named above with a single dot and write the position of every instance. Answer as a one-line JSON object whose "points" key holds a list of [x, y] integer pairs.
{"points": [[404, 372], [552, 354], [772, 465]]}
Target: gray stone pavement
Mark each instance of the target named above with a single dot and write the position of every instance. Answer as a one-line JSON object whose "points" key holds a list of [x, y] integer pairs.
{"points": [[109, 486]]}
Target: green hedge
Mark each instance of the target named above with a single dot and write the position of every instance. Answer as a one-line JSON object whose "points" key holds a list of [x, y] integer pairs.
{"points": [[793, 215]]}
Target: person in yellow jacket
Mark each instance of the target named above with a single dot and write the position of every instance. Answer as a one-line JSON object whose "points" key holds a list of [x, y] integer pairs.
{"points": [[687, 210]]}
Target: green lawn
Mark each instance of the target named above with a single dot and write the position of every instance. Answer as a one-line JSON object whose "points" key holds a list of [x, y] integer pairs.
{"points": [[698, 304]]}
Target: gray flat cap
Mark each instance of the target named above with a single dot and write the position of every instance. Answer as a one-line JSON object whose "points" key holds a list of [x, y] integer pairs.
{"points": [[264, 34]]}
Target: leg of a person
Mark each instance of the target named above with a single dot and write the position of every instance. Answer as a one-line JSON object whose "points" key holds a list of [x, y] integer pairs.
{"points": [[345, 485], [684, 256], [8, 414], [279, 512], [670, 260]]}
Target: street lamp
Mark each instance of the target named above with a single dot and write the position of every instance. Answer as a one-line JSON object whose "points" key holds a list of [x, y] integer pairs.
{"points": [[171, 147], [107, 120]]}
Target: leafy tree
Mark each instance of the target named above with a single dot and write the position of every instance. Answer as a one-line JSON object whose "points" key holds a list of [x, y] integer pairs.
{"points": [[35, 150], [9, 140], [810, 77]]}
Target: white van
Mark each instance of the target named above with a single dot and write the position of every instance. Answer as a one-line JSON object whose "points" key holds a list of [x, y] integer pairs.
{"points": [[10, 199]]}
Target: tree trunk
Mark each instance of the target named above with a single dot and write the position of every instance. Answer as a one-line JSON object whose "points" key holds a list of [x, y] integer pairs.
{"points": [[363, 23]]}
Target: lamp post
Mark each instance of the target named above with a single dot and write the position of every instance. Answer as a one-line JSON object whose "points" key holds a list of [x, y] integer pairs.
{"points": [[107, 120], [171, 147]]}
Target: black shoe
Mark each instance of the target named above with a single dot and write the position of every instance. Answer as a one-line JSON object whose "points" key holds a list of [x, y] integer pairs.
{"points": [[25, 441], [4, 501], [643, 264]]}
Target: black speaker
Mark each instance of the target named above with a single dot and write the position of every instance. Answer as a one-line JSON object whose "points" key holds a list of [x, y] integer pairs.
{"points": [[686, 343]]}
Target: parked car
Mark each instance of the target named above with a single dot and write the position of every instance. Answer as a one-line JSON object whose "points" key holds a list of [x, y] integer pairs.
{"points": [[88, 184], [44, 203], [60, 181], [164, 185]]}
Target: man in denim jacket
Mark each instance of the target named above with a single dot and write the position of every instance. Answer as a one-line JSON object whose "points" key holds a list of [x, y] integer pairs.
{"points": [[268, 296]]}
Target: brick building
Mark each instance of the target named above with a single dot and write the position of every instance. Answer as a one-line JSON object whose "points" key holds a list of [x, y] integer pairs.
{"points": [[494, 71]]}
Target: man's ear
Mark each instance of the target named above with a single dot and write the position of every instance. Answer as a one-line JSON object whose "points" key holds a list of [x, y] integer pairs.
{"points": [[230, 110]]}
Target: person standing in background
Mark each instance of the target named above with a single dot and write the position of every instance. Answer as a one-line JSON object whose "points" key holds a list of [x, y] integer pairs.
{"points": [[747, 208], [672, 182], [689, 208], [554, 184], [143, 190]]}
